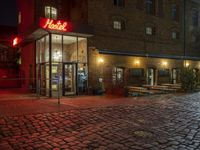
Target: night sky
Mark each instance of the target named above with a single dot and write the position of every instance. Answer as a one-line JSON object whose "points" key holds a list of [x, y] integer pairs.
{"points": [[8, 13]]}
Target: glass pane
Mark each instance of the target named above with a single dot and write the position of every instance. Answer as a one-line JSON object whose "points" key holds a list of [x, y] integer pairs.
{"points": [[54, 13], [174, 11], [120, 74], [42, 50], [69, 49], [82, 78], [69, 79], [82, 50], [114, 75], [46, 49], [56, 79], [47, 11], [37, 52], [56, 48], [117, 25], [47, 79]]}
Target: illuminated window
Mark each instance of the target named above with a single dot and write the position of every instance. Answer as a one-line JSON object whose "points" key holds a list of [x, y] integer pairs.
{"points": [[117, 75], [149, 30], [19, 18], [175, 35], [53, 13], [50, 12], [119, 3], [118, 24]]}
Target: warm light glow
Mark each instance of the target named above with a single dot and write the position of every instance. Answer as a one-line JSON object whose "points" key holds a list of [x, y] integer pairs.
{"points": [[101, 60], [16, 41], [137, 62], [57, 56], [187, 64], [164, 63], [51, 24]]}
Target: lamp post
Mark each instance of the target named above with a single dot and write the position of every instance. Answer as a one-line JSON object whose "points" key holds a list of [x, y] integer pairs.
{"points": [[184, 30]]}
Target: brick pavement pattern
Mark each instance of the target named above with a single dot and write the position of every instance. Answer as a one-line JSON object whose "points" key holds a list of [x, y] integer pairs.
{"points": [[162, 125]]}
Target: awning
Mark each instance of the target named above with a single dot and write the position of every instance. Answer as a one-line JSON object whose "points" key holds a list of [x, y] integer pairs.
{"points": [[130, 53], [38, 30]]}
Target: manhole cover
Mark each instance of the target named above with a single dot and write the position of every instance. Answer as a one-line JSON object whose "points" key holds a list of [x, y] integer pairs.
{"points": [[144, 121], [143, 134]]}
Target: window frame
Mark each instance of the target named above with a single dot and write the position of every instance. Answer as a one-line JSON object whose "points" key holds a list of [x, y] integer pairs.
{"points": [[148, 32], [115, 75], [175, 12], [119, 3], [121, 24], [150, 7], [51, 12], [176, 33], [195, 18], [117, 25]]}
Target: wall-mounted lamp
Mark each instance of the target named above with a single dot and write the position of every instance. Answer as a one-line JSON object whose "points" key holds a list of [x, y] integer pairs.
{"points": [[101, 60], [164, 63], [137, 62]]}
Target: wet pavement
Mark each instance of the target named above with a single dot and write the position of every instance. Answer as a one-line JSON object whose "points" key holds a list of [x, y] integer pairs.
{"points": [[153, 123]]}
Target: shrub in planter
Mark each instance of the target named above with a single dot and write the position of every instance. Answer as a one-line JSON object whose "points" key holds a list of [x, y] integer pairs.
{"points": [[189, 79]]}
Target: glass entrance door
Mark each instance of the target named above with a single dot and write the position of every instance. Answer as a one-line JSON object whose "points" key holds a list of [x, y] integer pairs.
{"points": [[44, 79], [69, 81]]}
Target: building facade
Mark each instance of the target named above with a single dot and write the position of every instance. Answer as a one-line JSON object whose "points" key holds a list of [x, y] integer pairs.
{"points": [[8, 58], [73, 47]]}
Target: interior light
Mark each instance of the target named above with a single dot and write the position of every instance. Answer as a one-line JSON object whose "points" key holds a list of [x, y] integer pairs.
{"points": [[57, 55], [187, 64]]}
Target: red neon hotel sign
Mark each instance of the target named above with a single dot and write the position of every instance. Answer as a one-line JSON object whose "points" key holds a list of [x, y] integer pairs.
{"points": [[51, 24]]}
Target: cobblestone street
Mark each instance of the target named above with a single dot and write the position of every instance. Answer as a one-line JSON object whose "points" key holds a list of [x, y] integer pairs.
{"points": [[170, 124]]}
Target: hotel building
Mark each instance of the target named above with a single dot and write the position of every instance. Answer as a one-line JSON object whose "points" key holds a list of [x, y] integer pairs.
{"points": [[74, 46], [8, 58]]}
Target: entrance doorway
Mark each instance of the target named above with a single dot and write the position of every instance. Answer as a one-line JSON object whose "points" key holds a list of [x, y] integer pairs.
{"points": [[175, 75], [69, 79], [43, 76], [151, 76]]}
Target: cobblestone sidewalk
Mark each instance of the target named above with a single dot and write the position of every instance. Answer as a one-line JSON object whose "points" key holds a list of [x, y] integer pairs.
{"points": [[164, 125]]}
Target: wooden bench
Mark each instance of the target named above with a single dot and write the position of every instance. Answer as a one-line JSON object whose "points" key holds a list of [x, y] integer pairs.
{"points": [[162, 88], [174, 86], [137, 91]]}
